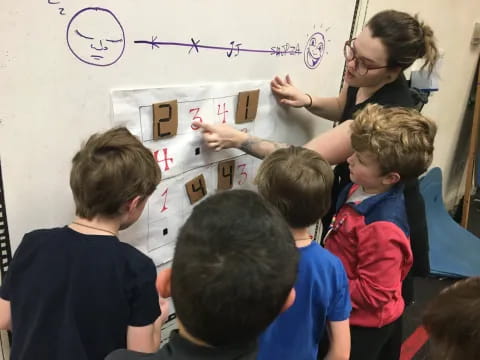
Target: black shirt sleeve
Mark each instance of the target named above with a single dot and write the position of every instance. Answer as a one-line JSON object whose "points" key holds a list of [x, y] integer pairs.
{"points": [[144, 303], [18, 257]]}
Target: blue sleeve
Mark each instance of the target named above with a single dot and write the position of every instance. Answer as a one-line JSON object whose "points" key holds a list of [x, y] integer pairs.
{"points": [[340, 306]]}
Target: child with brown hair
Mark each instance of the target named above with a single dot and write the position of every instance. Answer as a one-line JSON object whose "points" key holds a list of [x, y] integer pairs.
{"points": [[452, 320], [77, 292], [298, 182], [370, 231]]}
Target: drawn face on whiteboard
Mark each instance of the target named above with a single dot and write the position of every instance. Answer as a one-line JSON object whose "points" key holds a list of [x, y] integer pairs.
{"points": [[314, 50], [96, 37]]}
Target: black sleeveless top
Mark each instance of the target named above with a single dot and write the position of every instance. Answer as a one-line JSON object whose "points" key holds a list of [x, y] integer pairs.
{"points": [[395, 93]]}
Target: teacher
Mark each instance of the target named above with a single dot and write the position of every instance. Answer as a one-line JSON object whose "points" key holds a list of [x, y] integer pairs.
{"points": [[375, 60]]}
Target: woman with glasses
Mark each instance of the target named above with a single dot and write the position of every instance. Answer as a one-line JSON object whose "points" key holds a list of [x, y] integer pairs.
{"points": [[375, 60], [390, 42]]}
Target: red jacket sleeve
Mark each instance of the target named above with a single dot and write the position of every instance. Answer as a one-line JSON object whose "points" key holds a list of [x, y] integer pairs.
{"points": [[384, 258]]}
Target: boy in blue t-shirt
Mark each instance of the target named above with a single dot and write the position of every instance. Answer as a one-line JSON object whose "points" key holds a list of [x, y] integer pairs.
{"points": [[298, 182]]}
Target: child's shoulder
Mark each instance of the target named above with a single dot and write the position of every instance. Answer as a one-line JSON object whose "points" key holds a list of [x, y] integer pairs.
{"points": [[390, 208], [320, 258], [66, 239], [134, 256], [40, 237]]}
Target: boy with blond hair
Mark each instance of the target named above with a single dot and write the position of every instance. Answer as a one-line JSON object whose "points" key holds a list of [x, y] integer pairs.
{"points": [[298, 182], [76, 292], [369, 232]]}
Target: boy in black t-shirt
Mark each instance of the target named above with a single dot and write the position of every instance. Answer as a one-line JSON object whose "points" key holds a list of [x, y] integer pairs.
{"points": [[234, 267], [77, 292]]}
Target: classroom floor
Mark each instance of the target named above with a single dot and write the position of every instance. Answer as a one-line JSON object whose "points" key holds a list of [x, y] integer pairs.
{"points": [[416, 344]]}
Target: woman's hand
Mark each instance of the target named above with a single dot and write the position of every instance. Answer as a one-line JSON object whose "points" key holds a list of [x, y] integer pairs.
{"points": [[221, 136], [287, 93]]}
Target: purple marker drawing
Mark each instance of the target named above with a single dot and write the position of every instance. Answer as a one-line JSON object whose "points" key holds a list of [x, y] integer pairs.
{"points": [[314, 50], [286, 49], [95, 36], [234, 48]]}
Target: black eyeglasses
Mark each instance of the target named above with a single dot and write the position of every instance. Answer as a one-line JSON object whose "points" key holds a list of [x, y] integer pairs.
{"points": [[360, 67]]}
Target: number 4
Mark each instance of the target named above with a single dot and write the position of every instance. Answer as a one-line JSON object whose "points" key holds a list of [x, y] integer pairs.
{"points": [[224, 112], [196, 189]]}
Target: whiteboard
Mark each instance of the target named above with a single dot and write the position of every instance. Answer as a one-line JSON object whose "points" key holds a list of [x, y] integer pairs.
{"points": [[61, 60]]}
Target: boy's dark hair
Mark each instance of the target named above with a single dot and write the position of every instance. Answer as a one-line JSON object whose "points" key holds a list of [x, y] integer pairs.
{"points": [[298, 182], [452, 320], [235, 263], [110, 169]]}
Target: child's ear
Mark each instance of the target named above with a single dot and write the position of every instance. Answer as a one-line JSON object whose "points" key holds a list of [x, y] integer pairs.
{"points": [[290, 300], [163, 282], [134, 203], [391, 178]]}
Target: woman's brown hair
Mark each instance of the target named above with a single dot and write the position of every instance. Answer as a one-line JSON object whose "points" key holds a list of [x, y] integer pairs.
{"points": [[405, 37]]}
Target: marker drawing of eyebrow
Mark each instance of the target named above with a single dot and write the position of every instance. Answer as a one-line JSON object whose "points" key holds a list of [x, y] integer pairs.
{"points": [[85, 37]]}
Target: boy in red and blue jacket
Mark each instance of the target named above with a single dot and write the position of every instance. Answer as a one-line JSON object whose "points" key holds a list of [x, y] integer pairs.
{"points": [[370, 231]]}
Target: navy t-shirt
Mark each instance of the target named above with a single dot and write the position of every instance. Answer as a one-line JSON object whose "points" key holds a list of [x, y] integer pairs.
{"points": [[179, 348], [321, 295], [73, 295]]}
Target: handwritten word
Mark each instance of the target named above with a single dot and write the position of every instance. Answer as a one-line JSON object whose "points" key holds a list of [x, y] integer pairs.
{"points": [[286, 49]]}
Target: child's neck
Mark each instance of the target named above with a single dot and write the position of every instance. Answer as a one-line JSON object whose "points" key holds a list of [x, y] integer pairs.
{"points": [[301, 236], [377, 189], [96, 226], [186, 335]]}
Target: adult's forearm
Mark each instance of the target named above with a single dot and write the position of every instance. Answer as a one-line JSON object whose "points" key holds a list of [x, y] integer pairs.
{"points": [[327, 108], [260, 148], [334, 145]]}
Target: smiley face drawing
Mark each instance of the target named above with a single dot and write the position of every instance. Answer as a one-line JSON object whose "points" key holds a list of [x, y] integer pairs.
{"points": [[314, 50], [95, 36]]}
